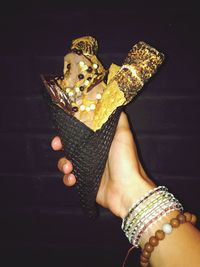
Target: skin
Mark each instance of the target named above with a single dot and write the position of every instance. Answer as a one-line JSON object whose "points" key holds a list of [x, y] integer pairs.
{"points": [[123, 176], [124, 181]]}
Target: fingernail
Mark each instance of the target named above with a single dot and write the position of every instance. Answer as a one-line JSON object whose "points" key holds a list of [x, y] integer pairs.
{"points": [[70, 177], [55, 142], [65, 168]]}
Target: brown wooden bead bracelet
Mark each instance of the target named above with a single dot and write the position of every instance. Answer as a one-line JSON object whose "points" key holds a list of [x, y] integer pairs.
{"points": [[160, 235]]}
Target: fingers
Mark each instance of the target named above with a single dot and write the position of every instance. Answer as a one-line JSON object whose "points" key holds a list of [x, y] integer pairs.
{"points": [[65, 166], [56, 143], [69, 180]]}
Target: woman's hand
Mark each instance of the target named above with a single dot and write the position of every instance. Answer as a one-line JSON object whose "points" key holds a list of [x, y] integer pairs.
{"points": [[124, 180]]}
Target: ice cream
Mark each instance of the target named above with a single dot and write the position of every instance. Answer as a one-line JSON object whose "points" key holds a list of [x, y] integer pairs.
{"points": [[86, 101]]}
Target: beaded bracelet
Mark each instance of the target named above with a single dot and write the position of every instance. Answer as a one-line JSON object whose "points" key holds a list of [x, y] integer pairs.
{"points": [[146, 196], [160, 235], [153, 221], [146, 211], [154, 216], [140, 205]]}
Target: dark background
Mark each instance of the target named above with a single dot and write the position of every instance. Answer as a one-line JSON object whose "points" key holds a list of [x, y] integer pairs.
{"points": [[41, 222]]}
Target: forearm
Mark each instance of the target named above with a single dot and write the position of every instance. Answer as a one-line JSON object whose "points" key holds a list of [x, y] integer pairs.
{"points": [[140, 187], [179, 248]]}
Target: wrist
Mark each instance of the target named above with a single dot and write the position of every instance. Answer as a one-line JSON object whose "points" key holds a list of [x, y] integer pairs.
{"points": [[148, 211], [157, 226], [136, 191]]}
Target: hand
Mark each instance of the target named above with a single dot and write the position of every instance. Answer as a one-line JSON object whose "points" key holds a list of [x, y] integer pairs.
{"points": [[124, 179]]}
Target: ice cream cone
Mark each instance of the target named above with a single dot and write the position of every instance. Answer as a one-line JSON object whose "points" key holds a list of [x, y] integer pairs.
{"points": [[87, 149]]}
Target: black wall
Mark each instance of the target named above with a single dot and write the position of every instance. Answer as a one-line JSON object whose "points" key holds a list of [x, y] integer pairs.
{"points": [[41, 220]]}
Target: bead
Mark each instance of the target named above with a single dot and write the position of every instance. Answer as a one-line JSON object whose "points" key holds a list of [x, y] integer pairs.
{"points": [[95, 66], [82, 107], [98, 96], [89, 78], [81, 63], [77, 89], [80, 76], [67, 90], [146, 254], [188, 216], [160, 235], [89, 69], [194, 219], [148, 247], [181, 217], [75, 109], [143, 259], [167, 228], [81, 88], [86, 82], [85, 67], [92, 106], [175, 223], [153, 241], [71, 93]]}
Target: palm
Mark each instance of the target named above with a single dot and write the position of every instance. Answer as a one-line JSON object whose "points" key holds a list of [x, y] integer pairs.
{"points": [[124, 179], [122, 161]]}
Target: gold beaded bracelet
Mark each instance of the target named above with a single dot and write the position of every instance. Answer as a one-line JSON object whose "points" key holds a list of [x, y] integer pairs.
{"points": [[160, 235]]}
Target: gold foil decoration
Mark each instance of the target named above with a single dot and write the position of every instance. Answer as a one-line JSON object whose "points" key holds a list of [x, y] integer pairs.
{"points": [[123, 82], [87, 44], [140, 65]]}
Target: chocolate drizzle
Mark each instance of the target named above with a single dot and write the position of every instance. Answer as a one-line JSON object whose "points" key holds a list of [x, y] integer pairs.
{"points": [[58, 96], [96, 81]]}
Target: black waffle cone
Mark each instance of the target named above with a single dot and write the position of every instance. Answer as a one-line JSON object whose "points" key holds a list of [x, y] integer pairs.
{"points": [[88, 151]]}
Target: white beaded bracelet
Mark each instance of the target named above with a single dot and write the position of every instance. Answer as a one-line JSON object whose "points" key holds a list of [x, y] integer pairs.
{"points": [[146, 211]]}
